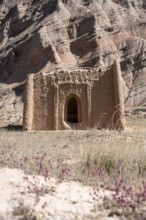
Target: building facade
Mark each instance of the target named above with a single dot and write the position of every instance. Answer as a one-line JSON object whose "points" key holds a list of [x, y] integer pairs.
{"points": [[74, 99]]}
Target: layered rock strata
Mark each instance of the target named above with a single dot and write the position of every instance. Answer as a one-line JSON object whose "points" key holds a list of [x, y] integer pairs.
{"points": [[46, 34]]}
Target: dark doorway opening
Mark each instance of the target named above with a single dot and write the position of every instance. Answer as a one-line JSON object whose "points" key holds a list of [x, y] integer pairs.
{"points": [[72, 110]]}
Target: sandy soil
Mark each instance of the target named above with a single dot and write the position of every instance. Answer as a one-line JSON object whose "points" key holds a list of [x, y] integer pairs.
{"points": [[26, 197]]}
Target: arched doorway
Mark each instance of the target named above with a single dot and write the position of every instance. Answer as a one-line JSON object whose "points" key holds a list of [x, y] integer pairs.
{"points": [[72, 110]]}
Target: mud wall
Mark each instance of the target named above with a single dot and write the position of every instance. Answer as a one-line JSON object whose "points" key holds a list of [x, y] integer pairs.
{"points": [[99, 98]]}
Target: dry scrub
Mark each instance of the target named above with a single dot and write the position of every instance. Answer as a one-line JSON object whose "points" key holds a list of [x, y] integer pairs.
{"points": [[124, 154], [90, 152], [107, 159]]}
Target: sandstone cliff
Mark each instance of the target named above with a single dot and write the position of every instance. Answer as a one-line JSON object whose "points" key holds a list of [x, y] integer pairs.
{"points": [[40, 35]]}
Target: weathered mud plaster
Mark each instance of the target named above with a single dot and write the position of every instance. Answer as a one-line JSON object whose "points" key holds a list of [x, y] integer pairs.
{"points": [[119, 99], [74, 99], [28, 107]]}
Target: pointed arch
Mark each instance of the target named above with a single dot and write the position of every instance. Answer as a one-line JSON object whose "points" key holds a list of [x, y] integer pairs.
{"points": [[72, 109]]}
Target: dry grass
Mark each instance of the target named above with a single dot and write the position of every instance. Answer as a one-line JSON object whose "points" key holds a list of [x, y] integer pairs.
{"points": [[125, 155], [123, 152], [89, 152]]}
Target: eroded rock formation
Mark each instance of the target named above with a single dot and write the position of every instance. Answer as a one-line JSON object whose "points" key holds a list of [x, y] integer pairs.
{"points": [[41, 35]]}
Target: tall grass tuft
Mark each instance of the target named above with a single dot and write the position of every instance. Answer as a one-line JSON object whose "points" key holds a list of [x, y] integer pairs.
{"points": [[113, 155]]}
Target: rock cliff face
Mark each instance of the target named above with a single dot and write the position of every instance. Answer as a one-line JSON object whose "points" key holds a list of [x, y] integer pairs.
{"points": [[40, 35]]}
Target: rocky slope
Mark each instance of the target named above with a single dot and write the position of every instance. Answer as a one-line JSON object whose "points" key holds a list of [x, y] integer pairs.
{"points": [[40, 35]]}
